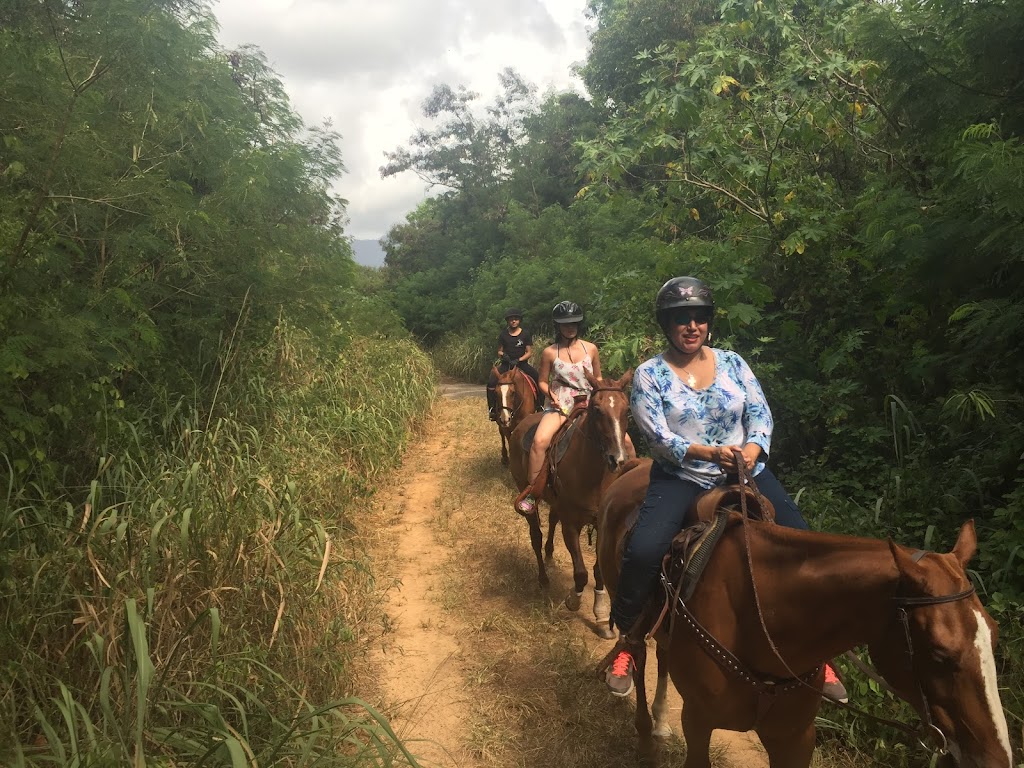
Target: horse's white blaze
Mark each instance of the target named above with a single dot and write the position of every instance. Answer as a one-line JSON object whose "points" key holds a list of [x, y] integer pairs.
{"points": [[504, 402], [983, 642], [620, 442]]}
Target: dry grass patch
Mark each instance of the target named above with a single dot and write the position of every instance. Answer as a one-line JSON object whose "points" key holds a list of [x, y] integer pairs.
{"points": [[538, 701]]}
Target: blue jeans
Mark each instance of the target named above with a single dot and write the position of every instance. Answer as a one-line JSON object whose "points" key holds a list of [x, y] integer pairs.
{"points": [[668, 500]]}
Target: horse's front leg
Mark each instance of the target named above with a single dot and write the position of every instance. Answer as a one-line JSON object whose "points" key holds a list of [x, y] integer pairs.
{"points": [[504, 448], [662, 728], [549, 547], [790, 750], [787, 733], [536, 540], [697, 733], [642, 718], [571, 536], [602, 605]]}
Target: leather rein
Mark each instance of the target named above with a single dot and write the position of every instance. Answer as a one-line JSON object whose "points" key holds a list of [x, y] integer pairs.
{"points": [[764, 685]]}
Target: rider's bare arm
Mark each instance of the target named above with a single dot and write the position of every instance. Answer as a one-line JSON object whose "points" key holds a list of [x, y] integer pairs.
{"points": [[595, 359], [546, 361]]}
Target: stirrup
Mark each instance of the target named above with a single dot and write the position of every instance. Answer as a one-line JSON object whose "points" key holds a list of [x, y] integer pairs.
{"points": [[526, 503]]}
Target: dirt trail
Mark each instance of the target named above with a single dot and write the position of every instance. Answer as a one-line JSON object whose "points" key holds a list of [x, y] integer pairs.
{"points": [[421, 675], [479, 667]]}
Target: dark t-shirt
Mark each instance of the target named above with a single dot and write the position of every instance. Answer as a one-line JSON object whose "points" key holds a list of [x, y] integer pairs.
{"points": [[515, 346]]}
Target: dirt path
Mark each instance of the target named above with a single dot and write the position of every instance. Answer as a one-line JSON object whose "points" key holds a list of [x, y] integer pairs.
{"points": [[479, 666]]}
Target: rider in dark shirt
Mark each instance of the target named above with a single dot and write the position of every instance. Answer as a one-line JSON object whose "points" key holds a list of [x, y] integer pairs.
{"points": [[515, 344]]}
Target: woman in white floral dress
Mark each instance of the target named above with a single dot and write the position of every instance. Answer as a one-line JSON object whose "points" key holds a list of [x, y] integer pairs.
{"points": [[563, 368]]}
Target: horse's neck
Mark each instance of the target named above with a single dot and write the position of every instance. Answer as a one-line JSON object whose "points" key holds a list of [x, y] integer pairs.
{"points": [[586, 445], [525, 389], [840, 585]]}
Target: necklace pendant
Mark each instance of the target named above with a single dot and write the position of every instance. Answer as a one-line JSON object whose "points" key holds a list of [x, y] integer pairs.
{"points": [[691, 380]]}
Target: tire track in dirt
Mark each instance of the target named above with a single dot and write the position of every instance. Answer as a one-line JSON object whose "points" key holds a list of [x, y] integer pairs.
{"points": [[447, 505]]}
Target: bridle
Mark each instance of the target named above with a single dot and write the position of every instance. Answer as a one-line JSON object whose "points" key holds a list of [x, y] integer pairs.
{"points": [[927, 727], [517, 400], [902, 605], [591, 405]]}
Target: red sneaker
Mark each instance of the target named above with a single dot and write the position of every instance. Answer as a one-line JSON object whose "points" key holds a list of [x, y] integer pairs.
{"points": [[619, 676], [833, 687]]}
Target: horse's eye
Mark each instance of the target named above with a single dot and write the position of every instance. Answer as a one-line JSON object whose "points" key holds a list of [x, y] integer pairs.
{"points": [[943, 658]]}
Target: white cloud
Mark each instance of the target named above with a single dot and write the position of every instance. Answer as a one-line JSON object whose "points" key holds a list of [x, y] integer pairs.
{"points": [[368, 66]]}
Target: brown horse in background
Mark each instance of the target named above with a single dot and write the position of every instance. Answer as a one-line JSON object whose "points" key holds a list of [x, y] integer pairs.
{"points": [[596, 453], [516, 399], [781, 601]]}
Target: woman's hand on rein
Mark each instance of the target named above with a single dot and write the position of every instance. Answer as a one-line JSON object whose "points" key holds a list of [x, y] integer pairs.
{"points": [[751, 455], [725, 457]]}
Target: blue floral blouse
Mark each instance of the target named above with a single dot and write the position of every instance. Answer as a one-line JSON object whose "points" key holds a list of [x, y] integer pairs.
{"points": [[672, 415]]}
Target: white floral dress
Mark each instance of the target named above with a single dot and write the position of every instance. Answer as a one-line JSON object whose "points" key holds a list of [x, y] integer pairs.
{"points": [[567, 381]]}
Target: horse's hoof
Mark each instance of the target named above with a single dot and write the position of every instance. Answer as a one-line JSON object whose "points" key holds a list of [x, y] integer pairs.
{"points": [[604, 631], [574, 600], [648, 754], [663, 731]]}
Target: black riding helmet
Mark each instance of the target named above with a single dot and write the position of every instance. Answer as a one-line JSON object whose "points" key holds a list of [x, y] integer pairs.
{"points": [[513, 312], [567, 312], [682, 292]]}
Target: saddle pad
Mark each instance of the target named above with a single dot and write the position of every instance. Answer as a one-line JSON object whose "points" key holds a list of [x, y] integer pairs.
{"points": [[560, 447], [690, 553], [693, 546]]}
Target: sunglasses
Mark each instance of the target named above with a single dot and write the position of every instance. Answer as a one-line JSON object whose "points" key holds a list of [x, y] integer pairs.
{"points": [[686, 316]]}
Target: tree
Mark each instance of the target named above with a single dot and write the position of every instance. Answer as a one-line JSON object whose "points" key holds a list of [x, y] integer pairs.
{"points": [[148, 205], [625, 30], [466, 152]]}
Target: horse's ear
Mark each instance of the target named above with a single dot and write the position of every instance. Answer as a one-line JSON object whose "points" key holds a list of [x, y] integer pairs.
{"points": [[627, 379], [594, 381], [966, 544], [910, 571], [494, 370]]}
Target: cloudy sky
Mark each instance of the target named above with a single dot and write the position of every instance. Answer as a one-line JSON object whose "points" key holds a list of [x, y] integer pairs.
{"points": [[367, 65]]}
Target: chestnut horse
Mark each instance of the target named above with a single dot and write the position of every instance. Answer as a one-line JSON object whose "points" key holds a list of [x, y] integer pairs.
{"points": [[596, 452], [782, 601], [516, 400]]}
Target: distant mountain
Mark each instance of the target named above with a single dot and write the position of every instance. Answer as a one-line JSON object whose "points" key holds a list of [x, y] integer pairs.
{"points": [[368, 253]]}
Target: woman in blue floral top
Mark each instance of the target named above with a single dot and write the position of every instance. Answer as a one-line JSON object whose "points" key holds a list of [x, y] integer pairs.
{"points": [[702, 410]]}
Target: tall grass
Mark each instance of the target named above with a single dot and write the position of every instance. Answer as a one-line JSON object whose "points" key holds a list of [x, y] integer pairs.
{"points": [[198, 602], [466, 357]]}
